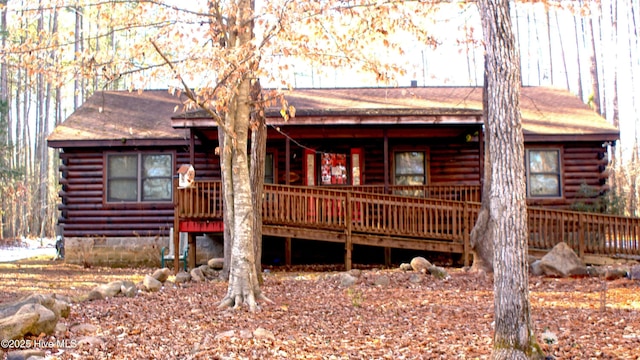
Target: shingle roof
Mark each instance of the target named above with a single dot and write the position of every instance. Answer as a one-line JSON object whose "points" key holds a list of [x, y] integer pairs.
{"points": [[545, 111], [115, 115]]}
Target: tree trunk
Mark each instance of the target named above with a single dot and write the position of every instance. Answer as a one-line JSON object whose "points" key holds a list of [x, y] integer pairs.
{"points": [[244, 286], [258, 153], [505, 204]]}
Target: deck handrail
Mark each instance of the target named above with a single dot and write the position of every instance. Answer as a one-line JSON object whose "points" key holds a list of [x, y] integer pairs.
{"points": [[436, 217]]}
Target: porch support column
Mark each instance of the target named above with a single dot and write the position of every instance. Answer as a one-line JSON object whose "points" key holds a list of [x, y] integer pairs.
{"points": [[176, 230], [387, 256], [287, 181], [192, 250], [192, 147], [348, 246], [386, 160]]}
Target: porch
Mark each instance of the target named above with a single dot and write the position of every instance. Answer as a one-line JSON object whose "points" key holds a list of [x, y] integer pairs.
{"points": [[435, 218]]}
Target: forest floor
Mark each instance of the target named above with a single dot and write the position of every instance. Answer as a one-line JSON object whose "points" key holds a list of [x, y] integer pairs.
{"points": [[414, 316]]}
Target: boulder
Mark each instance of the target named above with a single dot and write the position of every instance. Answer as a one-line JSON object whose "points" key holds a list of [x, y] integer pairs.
{"points": [[535, 269], [161, 274], [17, 325], [47, 301], [562, 261], [47, 319], [109, 290], [208, 272], [129, 289], [634, 272], [420, 264], [84, 329], [30, 354], [197, 275], [261, 333], [216, 263], [151, 284], [438, 272], [347, 280], [615, 273], [382, 280], [95, 295], [182, 277], [61, 308], [355, 272], [406, 267]]}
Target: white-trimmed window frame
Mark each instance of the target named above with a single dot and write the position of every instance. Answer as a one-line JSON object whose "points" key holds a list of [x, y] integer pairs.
{"points": [[530, 174], [139, 177]]}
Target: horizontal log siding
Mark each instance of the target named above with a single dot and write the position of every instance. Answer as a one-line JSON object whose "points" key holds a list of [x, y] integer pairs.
{"points": [[84, 213], [455, 163]]}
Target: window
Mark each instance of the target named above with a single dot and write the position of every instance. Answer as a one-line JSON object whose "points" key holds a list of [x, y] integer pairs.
{"points": [[139, 177], [543, 173], [410, 168], [268, 169]]}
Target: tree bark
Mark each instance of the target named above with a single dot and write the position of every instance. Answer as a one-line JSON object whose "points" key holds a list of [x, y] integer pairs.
{"points": [[258, 153], [504, 206]]}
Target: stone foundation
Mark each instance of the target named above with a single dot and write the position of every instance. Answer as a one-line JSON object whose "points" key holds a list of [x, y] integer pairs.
{"points": [[131, 251]]}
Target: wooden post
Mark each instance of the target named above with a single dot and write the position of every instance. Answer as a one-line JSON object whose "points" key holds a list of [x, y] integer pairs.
{"points": [[581, 236], [287, 161], [287, 251], [387, 256], [192, 250], [348, 246], [466, 234], [385, 161], [176, 228]]}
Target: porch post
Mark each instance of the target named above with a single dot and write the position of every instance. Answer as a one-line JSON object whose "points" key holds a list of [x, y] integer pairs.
{"points": [[386, 160], [176, 229], [192, 250], [348, 246], [287, 181], [192, 147]]}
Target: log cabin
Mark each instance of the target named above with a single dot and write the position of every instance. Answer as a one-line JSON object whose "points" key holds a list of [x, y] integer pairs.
{"points": [[120, 153]]}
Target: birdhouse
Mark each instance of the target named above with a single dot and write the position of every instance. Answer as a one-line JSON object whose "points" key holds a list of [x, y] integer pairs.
{"points": [[186, 175]]}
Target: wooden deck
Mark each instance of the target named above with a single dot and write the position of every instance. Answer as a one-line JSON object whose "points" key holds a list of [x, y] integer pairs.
{"points": [[431, 218]]}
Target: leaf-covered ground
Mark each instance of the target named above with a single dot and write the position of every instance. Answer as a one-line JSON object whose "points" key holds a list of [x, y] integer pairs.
{"points": [[314, 317]]}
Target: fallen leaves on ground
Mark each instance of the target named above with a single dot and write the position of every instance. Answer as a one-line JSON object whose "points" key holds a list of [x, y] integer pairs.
{"points": [[313, 317]]}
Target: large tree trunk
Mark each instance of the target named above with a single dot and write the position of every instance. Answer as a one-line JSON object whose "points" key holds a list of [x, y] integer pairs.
{"points": [[244, 285], [258, 153], [504, 206]]}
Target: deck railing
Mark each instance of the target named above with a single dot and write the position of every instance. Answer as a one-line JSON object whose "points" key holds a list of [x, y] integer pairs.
{"points": [[368, 210]]}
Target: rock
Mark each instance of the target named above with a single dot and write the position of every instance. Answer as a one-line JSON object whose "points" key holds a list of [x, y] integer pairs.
{"points": [[161, 274], [109, 290], [347, 280], [95, 295], [595, 271], [90, 341], [61, 308], [614, 274], [197, 275], [355, 272], [17, 325], [382, 280], [420, 264], [261, 333], [84, 329], [225, 335], [562, 261], [216, 263], [129, 289], [47, 319], [438, 272], [11, 308], [634, 272], [60, 329], [208, 272], [151, 284], [535, 269], [182, 277], [416, 278], [246, 334], [26, 354], [405, 267]]}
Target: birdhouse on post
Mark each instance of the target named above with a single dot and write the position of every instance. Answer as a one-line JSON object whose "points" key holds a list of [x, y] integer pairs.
{"points": [[186, 175]]}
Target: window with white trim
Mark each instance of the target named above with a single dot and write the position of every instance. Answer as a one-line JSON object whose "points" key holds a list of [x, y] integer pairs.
{"points": [[543, 173], [139, 177]]}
